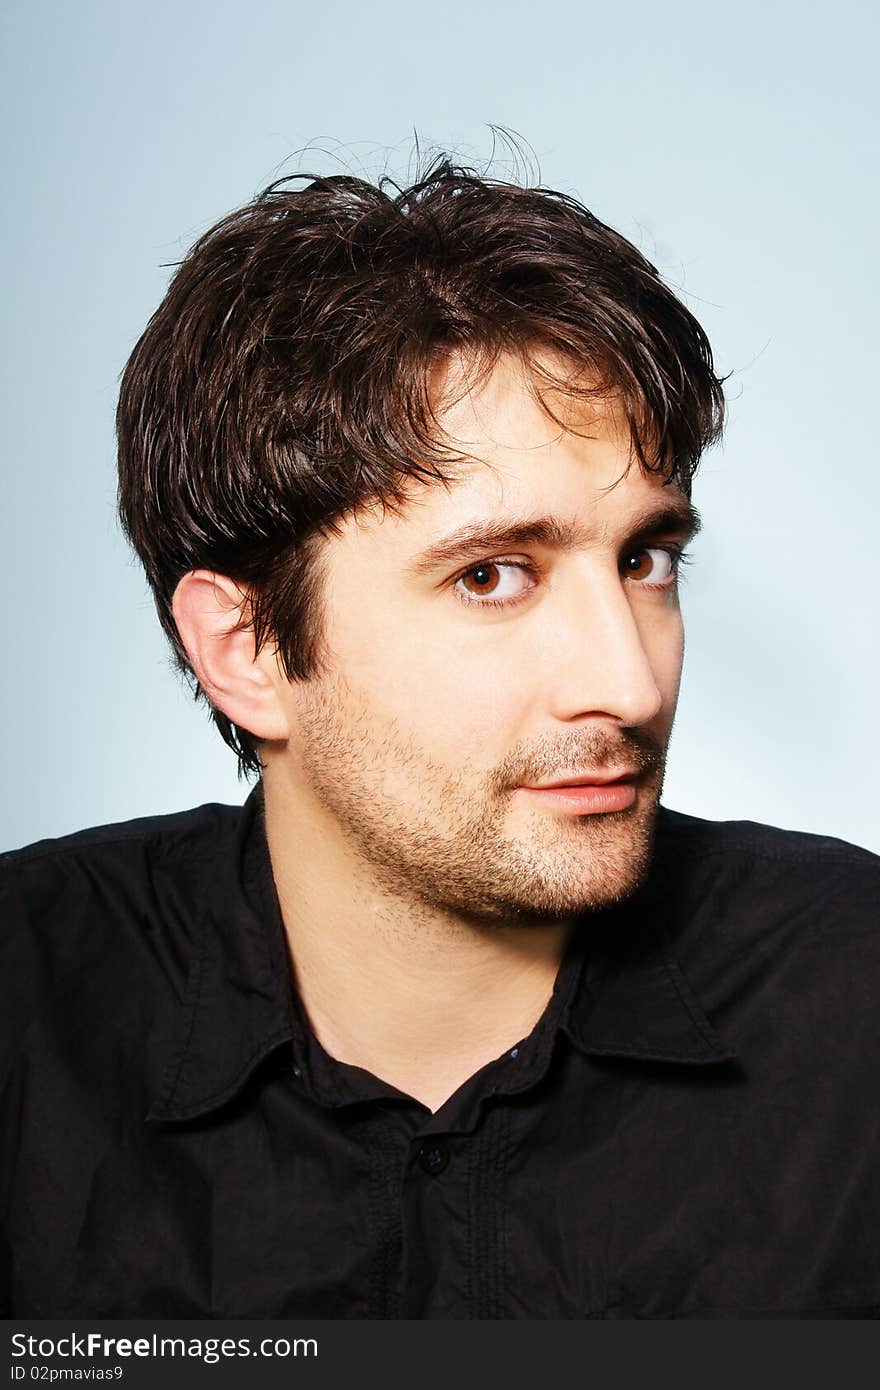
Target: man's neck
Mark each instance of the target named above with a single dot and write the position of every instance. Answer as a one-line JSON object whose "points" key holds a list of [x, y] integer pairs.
{"points": [[417, 996]]}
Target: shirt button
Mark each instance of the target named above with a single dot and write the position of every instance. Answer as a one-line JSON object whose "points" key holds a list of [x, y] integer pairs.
{"points": [[433, 1158]]}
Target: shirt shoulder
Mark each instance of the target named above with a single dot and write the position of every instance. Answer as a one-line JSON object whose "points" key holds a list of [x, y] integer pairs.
{"points": [[165, 833], [776, 925], [745, 878], [115, 905], [745, 839], [117, 867]]}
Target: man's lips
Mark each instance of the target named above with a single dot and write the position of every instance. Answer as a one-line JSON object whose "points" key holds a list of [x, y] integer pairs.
{"points": [[586, 779], [585, 794]]}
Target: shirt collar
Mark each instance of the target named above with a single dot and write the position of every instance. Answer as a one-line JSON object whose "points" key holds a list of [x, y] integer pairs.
{"points": [[237, 1010], [634, 1000], [625, 994]]}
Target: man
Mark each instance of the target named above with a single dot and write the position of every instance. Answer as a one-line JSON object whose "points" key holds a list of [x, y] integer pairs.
{"points": [[452, 1019]]}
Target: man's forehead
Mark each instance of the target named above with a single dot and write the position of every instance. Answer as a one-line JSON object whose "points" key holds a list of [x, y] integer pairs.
{"points": [[519, 405], [511, 462], [488, 507]]}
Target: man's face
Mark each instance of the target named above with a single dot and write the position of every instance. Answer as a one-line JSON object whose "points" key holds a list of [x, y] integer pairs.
{"points": [[457, 675]]}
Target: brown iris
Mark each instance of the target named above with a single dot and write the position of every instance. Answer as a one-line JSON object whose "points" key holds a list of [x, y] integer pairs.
{"points": [[640, 564], [484, 577]]}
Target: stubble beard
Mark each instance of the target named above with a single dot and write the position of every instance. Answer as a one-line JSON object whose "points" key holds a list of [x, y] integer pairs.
{"points": [[446, 842]]}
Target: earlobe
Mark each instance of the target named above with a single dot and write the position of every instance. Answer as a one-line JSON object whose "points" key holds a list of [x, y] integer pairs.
{"points": [[208, 609]]}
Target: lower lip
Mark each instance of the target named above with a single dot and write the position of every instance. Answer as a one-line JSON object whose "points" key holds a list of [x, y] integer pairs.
{"points": [[583, 801]]}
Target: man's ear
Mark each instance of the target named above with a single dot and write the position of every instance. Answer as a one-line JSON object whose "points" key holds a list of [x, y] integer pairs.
{"points": [[207, 607]]}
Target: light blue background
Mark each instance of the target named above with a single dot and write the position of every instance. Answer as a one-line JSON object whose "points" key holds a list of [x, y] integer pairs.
{"points": [[736, 144]]}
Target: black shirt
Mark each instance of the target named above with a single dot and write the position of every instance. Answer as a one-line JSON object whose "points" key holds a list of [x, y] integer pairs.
{"points": [[691, 1129]]}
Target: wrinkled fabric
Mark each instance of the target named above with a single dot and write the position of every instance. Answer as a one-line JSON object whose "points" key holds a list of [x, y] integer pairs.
{"points": [[690, 1130]]}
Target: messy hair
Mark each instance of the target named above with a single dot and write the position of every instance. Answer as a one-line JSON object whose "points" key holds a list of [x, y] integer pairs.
{"points": [[283, 382]]}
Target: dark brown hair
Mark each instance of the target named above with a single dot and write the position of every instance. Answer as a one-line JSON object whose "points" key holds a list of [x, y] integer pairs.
{"points": [[283, 381]]}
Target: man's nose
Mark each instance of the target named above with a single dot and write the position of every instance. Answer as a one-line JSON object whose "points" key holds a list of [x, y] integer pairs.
{"points": [[600, 667]]}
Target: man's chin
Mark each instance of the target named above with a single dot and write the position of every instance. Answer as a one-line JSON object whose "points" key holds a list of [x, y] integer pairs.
{"points": [[587, 863]]}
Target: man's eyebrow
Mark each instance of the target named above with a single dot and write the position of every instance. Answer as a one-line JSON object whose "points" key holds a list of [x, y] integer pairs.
{"points": [[556, 533]]}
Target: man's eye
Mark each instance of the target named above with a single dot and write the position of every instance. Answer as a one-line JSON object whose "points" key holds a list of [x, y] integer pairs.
{"points": [[495, 582], [656, 565]]}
